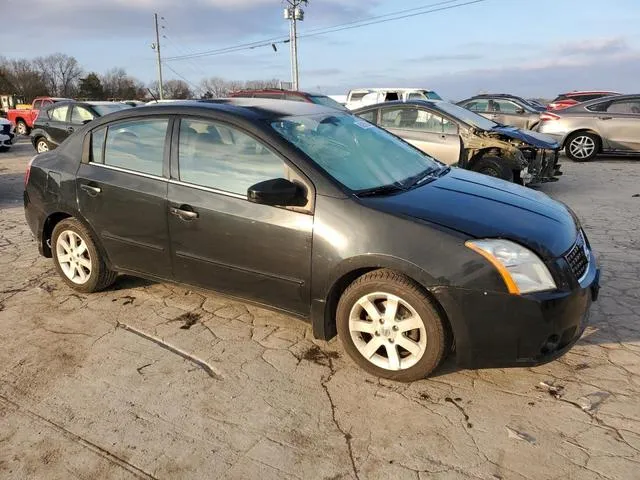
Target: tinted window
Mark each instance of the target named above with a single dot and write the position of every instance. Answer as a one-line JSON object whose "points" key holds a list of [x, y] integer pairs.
{"points": [[294, 98], [137, 145], [97, 144], [625, 106], [412, 119], [37, 104], [369, 116], [327, 102], [433, 96], [81, 114], [104, 109], [219, 156], [59, 114], [277, 96]]}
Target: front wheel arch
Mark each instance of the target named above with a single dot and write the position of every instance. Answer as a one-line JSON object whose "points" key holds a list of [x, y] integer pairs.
{"points": [[324, 323]]}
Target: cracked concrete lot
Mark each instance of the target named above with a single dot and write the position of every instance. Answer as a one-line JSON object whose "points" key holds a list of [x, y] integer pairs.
{"points": [[86, 392]]}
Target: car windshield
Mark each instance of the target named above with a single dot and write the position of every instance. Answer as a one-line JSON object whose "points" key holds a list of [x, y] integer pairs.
{"points": [[467, 116], [104, 109], [327, 102], [356, 153]]}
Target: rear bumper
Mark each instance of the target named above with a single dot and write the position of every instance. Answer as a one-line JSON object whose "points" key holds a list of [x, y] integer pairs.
{"points": [[502, 330]]}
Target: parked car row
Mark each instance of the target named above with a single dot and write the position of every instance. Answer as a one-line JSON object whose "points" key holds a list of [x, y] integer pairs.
{"points": [[325, 215]]}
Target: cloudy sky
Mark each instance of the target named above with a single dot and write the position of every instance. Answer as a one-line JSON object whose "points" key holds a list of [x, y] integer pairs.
{"points": [[527, 47]]}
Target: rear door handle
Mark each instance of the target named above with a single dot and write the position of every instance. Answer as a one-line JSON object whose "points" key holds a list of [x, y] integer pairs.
{"points": [[605, 118], [184, 212], [90, 189]]}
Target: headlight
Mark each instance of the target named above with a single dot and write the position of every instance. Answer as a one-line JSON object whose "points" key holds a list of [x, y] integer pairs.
{"points": [[520, 268]]}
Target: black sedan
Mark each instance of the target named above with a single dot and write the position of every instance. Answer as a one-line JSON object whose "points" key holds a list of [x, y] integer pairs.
{"points": [[55, 123], [321, 214]]}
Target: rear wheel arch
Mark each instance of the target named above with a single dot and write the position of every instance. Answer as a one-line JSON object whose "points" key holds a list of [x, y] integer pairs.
{"points": [[50, 223]]}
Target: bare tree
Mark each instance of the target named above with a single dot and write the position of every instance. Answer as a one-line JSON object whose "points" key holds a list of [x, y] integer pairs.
{"points": [[21, 77], [60, 73], [173, 89], [118, 84], [259, 84], [216, 87]]}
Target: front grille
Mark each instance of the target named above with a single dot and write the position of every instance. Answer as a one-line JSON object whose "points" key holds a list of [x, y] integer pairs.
{"points": [[578, 257]]}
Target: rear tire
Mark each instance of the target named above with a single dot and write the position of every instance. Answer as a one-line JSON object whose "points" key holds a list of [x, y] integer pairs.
{"points": [[77, 258], [582, 146], [493, 167], [22, 128], [42, 145], [390, 328]]}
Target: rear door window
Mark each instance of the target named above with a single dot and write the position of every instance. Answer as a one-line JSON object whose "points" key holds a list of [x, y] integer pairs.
{"points": [[80, 115], [59, 114], [480, 106], [137, 145], [625, 106]]}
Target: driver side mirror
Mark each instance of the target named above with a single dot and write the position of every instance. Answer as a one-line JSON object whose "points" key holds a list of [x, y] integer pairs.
{"points": [[520, 111], [277, 192]]}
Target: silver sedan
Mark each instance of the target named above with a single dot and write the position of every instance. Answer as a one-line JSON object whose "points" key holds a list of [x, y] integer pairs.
{"points": [[608, 125]]}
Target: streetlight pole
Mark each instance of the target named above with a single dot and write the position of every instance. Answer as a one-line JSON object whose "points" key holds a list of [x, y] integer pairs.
{"points": [[293, 13], [156, 47]]}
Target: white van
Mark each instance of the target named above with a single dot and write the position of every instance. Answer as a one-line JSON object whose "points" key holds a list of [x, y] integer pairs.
{"points": [[361, 97]]}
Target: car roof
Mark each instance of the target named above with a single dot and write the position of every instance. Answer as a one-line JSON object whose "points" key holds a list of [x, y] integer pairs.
{"points": [[587, 92], [495, 95], [277, 90], [580, 106], [249, 108], [391, 89], [422, 103]]}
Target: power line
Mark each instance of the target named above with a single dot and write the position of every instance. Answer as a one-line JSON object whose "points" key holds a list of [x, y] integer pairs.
{"points": [[443, 5], [193, 85]]}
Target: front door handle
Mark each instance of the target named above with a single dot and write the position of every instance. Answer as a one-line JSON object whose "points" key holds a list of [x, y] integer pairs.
{"points": [[90, 189], [70, 129], [184, 212]]}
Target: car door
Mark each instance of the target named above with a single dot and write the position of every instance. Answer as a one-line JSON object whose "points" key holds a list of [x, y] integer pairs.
{"points": [[122, 192], [620, 125], [426, 130], [80, 115], [222, 241], [510, 113], [58, 123]]}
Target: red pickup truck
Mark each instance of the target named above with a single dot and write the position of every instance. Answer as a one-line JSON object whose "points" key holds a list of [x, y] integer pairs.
{"points": [[23, 118]]}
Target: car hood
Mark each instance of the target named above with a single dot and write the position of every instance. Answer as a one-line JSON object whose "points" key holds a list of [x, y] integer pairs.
{"points": [[486, 207], [536, 139]]}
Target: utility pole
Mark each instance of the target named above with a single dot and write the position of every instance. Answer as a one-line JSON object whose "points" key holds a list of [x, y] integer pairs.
{"points": [[294, 13], [156, 47]]}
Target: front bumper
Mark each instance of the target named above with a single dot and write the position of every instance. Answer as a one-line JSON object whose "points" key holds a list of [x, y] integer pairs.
{"points": [[502, 330], [544, 167], [6, 140]]}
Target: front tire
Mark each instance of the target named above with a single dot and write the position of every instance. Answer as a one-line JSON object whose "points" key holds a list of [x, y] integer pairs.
{"points": [[77, 258], [582, 146], [493, 167], [390, 328]]}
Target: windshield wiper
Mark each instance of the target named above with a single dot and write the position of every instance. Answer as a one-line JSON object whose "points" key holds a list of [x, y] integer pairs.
{"points": [[381, 190], [429, 174]]}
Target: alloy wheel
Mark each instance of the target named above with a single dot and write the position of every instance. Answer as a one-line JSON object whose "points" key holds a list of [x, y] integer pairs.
{"points": [[42, 146], [73, 256], [21, 128], [387, 331], [582, 147]]}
